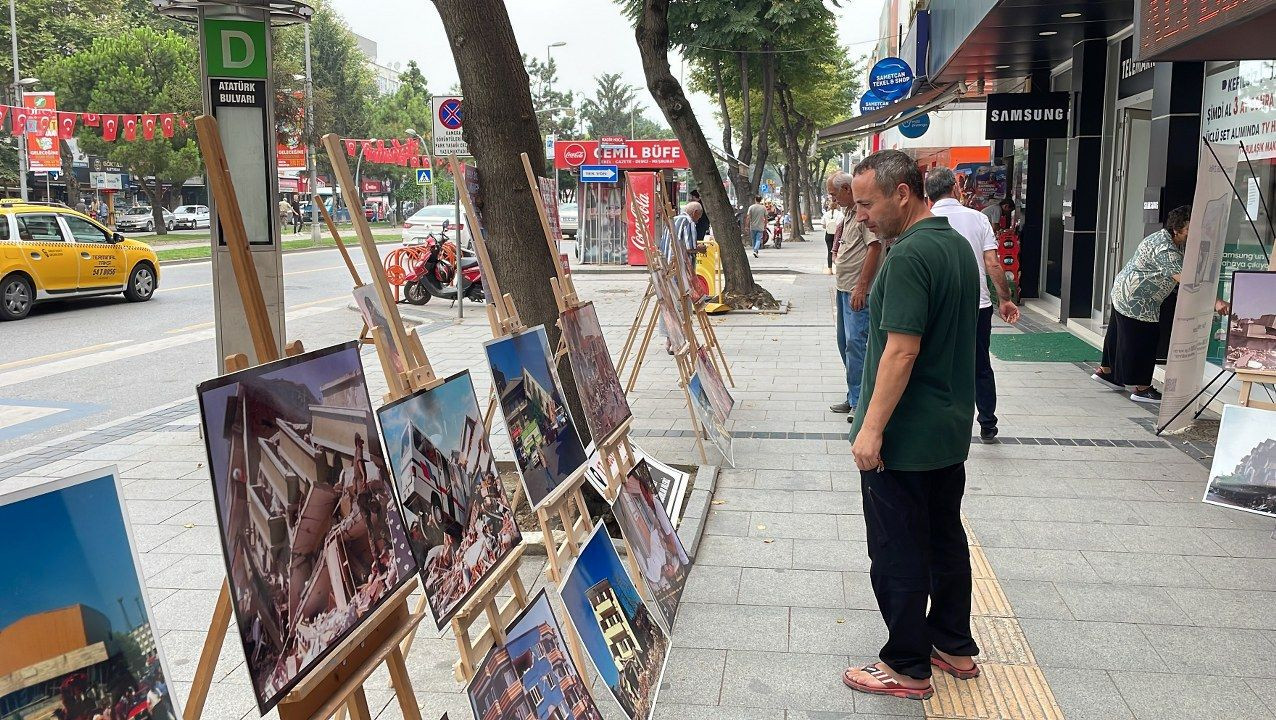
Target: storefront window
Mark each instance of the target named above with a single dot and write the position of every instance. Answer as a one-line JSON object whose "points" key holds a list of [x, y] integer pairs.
{"points": [[1056, 196]]}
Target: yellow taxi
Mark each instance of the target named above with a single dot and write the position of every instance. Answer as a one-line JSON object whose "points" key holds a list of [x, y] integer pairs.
{"points": [[50, 252]]}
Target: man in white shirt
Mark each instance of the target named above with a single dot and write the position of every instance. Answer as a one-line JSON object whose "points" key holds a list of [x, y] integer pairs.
{"points": [[975, 227]]}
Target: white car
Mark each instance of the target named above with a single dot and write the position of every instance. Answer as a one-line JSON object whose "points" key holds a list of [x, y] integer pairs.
{"points": [[140, 217], [429, 220], [191, 217], [568, 219]]}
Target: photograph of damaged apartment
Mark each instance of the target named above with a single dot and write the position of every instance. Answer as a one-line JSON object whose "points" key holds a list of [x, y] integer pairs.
{"points": [[459, 521], [312, 535]]}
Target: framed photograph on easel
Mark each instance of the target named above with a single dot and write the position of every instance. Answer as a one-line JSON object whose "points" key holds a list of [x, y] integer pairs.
{"points": [[1251, 325]]}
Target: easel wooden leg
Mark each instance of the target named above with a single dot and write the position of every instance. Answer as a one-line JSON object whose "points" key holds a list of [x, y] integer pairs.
{"points": [[358, 705], [634, 328], [203, 679], [402, 685], [551, 561], [711, 337], [642, 348]]}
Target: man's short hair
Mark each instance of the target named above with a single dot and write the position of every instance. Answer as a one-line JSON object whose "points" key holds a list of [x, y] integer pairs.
{"points": [[1007, 203], [757, 198], [840, 179], [940, 183], [1178, 218], [693, 207], [892, 168], [695, 194]]}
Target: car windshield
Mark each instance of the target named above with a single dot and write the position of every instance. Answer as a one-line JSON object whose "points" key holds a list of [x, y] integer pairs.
{"points": [[435, 211], [187, 209], [138, 210]]}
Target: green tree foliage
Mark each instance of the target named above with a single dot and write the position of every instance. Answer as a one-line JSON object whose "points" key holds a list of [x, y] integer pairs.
{"points": [[615, 110], [149, 71], [547, 101], [392, 116]]}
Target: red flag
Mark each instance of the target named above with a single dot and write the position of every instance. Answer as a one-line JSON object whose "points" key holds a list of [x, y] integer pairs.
{"points": [[166, 124], [90, 119], [148, 126], [350, 148], [395, 143], [110, 127], [44, 119], [130, 127], [66, 125], [4, 110], [19, 119], [182, 120], [414, 162]]}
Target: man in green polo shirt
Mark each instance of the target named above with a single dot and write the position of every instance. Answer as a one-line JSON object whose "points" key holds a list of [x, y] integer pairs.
{"points": [[911, 440]]}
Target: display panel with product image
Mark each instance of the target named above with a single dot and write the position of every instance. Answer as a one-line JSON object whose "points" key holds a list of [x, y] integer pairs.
{"points": [[312, 535], [76, 638], [1251, 326], [658, 553], [606, 408], [1243, 474], [547, 448], [459, 522]]}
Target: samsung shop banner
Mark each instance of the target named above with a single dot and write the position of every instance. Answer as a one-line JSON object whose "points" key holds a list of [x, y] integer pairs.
{"points": [[1027, 116], [890, 79]]}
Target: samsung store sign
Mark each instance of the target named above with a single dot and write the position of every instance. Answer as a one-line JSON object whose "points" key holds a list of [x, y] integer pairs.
{"points": [[1024, 116]]}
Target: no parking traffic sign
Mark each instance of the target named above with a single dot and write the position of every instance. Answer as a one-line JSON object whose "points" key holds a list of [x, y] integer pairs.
{"points": [[448, 116]]}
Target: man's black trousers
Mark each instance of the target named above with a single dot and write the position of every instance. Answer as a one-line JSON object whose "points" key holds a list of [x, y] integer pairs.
{"points": [[918, 551], [985, 383]]}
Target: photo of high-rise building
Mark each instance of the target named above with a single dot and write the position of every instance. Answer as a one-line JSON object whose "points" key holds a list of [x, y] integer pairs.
{"points": [[1243, 474]]}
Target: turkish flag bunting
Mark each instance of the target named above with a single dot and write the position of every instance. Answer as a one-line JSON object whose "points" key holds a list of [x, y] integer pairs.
{"points": [[44, 119], [4, 110], [166, 124], [110, 127], [90, 119], [130, 127], [148, 126], [182, 120], [413, 147], [414, 162], [350, 148], [19, 119], [380, 145], [66, 125], [395, 143]]}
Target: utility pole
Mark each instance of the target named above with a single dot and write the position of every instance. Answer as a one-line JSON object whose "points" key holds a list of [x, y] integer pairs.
{"points": [[312, 167], [17, 90]]}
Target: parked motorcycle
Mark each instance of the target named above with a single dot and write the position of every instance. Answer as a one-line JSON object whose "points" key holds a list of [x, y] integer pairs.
{"points": [[435, 274], [776, 236]]}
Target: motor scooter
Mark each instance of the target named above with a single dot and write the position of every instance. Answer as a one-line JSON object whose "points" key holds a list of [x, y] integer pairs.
{"points": [[435, 275], [776, 236]]}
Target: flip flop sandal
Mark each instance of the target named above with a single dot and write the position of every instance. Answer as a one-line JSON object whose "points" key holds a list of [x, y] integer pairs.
{"points": [[953, 670], [890, 686]]}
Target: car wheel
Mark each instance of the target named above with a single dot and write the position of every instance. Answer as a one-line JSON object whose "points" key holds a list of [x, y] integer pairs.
{"points": [[150, 226], [169, 225], [415, 293], [141, 284], [16, 296]]}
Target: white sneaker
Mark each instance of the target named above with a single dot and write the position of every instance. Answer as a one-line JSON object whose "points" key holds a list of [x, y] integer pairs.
{"points": [[1106, 380]]}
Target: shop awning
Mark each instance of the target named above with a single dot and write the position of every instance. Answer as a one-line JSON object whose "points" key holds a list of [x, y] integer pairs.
{"points": [[893, 114]]}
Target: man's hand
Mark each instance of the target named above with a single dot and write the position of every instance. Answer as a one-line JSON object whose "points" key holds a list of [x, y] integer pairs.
{"points": [[859, 297], [1009, 311], [868, 449]]}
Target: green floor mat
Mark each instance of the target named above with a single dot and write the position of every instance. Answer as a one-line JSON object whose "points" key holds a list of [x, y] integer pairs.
{"points": [[1043, 347]]}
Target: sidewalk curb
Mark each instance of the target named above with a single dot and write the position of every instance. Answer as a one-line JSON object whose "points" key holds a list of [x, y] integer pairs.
{"points": [[696, 514], [298, 251]]}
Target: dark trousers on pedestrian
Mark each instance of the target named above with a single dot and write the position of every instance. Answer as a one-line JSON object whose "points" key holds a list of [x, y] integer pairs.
{"points": [[985, 383], [828, 242], [917, 547]]}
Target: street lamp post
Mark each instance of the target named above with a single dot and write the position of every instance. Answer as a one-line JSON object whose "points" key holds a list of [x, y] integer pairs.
{"points": [[434, 194], [17, 89], [548, 84], [312, 166]]}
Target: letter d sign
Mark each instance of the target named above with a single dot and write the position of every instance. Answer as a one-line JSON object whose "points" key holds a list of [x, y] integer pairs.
{"points": [[235, 48]]}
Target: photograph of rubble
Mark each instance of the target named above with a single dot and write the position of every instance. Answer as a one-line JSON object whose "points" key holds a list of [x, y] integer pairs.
{"points": [[1243, 474], [1251, 328], [547, 447], [76, 641], [620, 633], [600, 392], [711, 423], [365, 298], [311, 532], [662, 561], [672, 309], [531, 676], [458, 518]]}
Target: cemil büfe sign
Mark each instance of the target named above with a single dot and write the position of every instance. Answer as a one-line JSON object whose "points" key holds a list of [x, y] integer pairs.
{"points": [[635, 155]]}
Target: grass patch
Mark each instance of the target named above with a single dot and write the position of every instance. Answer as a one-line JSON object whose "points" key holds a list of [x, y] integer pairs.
{"points": [[325, 241]]}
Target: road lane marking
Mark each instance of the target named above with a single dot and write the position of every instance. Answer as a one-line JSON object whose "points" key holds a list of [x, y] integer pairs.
{"points": [[203, 325], [80, 362], [286, 274], [62, 354]]}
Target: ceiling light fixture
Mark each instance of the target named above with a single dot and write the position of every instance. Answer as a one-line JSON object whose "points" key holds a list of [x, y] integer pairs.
{"points": [[1048, 33], [1003, 67], [1070, 15]]}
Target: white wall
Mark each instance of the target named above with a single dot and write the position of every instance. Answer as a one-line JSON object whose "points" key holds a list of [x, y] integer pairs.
{"points": [[957, 125]]}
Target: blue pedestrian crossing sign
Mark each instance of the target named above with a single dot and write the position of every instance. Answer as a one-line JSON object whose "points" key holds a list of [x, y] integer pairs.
{"points": [[423, 176], [599, 173]]}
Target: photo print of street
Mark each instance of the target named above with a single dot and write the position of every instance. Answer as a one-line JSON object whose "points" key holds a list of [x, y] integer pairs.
{"points": [[459, 521], [76, 641], [1251, 328], [312, 534], [620, 633], [1243, 475], [670, 483], [719, 397], [600, 392], [546, 445], [531, 676], [662, 561]]}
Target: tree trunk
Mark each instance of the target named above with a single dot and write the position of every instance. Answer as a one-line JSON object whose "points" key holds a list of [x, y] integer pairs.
{"points": [[155, 193], [764, 125], [72, 185], [652, 33], [734, 174], [499, 124], [793, 172]]}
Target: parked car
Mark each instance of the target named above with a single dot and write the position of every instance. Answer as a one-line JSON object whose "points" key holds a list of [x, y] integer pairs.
{"points": [[140, 217], [191, 217], [51, 252], [568, 219], [429, 220]]}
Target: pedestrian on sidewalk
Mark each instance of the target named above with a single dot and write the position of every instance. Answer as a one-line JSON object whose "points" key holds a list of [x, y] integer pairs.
{"points": [[973, 225], [702, 225], [856, 255], [285, 214], [911, 439], [756, 217], [832, 218], [1130, 342], [296, 216]]}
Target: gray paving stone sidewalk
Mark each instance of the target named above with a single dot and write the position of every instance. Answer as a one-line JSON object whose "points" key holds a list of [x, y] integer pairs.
{"points": [[1131, 592]]}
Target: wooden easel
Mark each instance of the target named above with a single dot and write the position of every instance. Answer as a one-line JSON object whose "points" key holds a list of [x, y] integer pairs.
{"points": [[1248, 380], [345, 255], [336, 684], [684, 357]]}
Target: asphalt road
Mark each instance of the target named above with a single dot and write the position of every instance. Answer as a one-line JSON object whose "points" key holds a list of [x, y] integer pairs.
{"points": [[72, 365]]}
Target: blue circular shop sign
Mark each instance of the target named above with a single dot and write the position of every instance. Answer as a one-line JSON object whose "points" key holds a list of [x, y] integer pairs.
{"points": [[870, 102], [891, 78], [915, 127]]}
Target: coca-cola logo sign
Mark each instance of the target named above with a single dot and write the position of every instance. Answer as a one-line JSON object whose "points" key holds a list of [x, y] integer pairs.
{"points": [[574, 154]]}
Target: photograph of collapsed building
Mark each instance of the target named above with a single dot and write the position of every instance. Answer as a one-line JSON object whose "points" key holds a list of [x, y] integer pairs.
{"points": [[673, 309], [658, 553], [711, 423], [620, 633], [459, 520], [719, 397], [531, 676], [670, 483], [312, 535], [600, 392], [75, 630], [1243, 474], [547, 447], [1251, 328]]}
